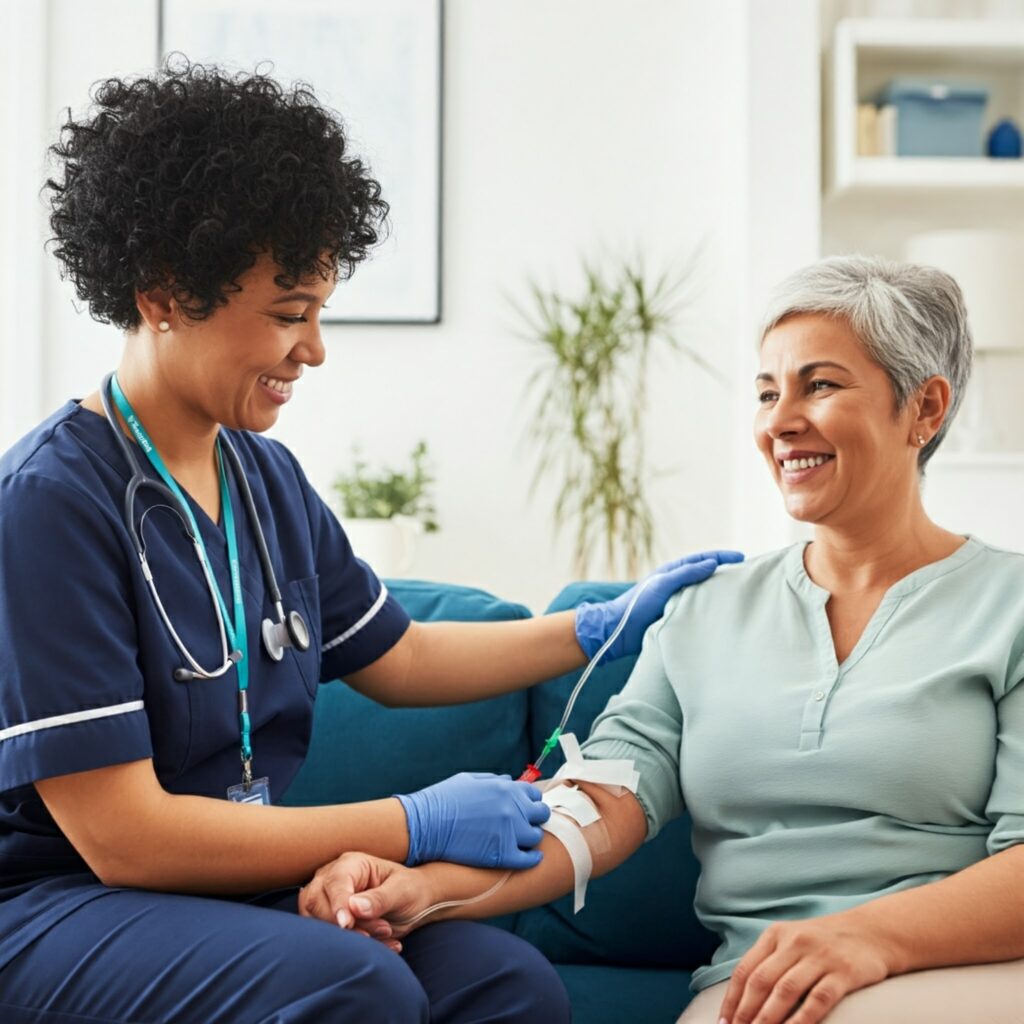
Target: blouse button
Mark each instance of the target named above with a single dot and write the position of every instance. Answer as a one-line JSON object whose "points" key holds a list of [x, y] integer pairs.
{"points": [[819, 695]]}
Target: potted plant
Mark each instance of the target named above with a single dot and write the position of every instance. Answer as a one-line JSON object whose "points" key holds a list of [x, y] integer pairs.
{"points": [[385, 511], [590, 396]]}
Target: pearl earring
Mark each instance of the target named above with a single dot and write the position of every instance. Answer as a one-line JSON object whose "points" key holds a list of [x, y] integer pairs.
{"points": [[164, 326], [920, 439]]}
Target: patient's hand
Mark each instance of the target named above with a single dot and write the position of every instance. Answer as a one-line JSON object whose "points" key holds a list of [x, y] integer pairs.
{"points": [[367, 894], [798, 970]]}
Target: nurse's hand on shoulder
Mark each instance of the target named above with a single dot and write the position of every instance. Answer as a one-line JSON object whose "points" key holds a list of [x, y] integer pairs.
{"points": [[475, 818], [596, 622], [367, 894]]}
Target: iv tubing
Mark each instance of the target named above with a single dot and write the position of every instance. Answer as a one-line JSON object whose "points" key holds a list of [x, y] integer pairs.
{"points": [[590, 668], [548, 746], [460, 903]]}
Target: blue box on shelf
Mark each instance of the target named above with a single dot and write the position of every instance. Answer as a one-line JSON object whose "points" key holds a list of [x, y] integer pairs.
{"points": [[936, 116]]}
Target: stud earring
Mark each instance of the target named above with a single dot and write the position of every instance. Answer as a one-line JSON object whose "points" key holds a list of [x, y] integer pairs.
{"points": [[164, 326], [920, 440]]}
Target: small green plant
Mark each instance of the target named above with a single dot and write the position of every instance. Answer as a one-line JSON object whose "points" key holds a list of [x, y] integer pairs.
{"points": [[387, 493], [589, 422]]}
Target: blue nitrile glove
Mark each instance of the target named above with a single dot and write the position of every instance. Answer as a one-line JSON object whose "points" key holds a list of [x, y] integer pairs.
{"points": [[476, 818], [596, 622]]}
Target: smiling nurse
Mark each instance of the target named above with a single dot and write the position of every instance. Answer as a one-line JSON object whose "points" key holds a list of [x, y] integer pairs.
{"points": [[154, 687]]}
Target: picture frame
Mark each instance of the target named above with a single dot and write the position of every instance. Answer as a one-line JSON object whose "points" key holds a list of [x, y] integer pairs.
{"points": [[380, 64]]}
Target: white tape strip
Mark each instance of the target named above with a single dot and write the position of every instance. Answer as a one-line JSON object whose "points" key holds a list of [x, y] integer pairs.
{"points": [[570, 836], [569, 800], [616, 775]]}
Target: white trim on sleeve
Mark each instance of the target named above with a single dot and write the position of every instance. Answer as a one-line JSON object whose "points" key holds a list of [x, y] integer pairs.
{"points": [[70, 719], [352, 630]]}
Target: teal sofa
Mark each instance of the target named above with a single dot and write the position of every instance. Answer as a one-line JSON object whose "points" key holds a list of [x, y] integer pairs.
{"points": [[629, 954]]}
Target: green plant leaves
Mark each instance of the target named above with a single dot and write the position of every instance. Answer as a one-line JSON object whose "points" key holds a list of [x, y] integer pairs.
{"points": [[387, 493], [589, 393]]}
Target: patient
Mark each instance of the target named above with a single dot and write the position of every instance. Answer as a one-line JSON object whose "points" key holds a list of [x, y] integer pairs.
{"points": [[841, 718]]}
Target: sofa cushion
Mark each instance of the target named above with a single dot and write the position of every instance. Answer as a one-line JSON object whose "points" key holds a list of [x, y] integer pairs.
{"points": [[611, 995], [642, 912], [362, 751]]}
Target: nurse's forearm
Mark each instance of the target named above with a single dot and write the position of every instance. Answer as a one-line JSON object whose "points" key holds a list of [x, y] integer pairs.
{"points": [[237, 848], [974, 916], [455, 662], [133, 833]]}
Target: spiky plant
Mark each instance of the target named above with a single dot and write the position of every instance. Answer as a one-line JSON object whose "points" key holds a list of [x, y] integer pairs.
{"points": [[590, 395]]}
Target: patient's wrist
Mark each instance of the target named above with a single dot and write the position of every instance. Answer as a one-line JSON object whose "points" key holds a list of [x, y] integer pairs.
{"points": [[429, 887], [875, 921], [441, 882]]}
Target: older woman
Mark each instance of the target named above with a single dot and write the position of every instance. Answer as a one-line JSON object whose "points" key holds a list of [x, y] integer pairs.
{"points": [[843, 719], [172, 591]]}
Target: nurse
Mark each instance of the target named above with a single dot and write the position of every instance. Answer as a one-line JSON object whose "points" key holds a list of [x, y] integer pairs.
{"points": [[158, 669]]}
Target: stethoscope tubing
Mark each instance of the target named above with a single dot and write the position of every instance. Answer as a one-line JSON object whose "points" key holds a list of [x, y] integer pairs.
{"points": [[242, 481], [139, 480]]}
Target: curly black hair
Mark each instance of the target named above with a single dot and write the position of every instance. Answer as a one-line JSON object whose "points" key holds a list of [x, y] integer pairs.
{"points": [[179, 180]]}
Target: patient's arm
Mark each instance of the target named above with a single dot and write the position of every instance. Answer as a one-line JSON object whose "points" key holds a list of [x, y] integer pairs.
{"points": [[642, 724], [396, 894]]}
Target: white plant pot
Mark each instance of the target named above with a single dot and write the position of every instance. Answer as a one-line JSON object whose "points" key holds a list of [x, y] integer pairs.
{"points": [[388, 546]]}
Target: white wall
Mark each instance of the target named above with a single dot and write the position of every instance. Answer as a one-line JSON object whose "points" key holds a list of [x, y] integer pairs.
{"points": [[572, 128], [23, 50], [781, 226]]}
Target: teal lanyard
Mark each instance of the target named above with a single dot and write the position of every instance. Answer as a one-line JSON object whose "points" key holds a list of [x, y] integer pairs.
{"points": [[236, 628]]}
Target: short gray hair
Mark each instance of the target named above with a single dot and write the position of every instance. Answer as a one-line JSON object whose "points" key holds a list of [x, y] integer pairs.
{"points": [[911, 318]]}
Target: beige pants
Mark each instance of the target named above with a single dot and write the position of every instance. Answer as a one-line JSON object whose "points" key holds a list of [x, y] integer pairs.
{"points": [[978, 994]]}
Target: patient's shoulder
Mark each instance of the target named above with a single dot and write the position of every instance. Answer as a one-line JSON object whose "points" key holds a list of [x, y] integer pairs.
{"points": [[1005, 559], [993, 574], [738, 585]]}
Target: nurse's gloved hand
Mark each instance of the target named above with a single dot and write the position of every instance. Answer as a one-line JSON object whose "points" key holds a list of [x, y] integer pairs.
{"points": [[596, 622], [476, 818]]}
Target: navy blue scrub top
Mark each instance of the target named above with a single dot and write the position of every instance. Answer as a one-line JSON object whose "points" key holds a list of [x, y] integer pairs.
{"points": [[86, 664]]}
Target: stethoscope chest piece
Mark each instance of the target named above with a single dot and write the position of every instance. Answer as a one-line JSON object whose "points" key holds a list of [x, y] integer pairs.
{"points": [[291, 631]]}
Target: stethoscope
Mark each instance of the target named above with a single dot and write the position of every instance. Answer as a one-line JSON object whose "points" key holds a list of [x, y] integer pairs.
{"points": [[289, 631]]}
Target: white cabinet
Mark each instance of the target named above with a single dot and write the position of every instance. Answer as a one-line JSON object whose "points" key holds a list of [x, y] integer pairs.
{"points": [[964, 214]]}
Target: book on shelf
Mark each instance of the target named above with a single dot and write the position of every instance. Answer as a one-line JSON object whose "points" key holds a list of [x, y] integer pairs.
{"points": [[876, 130]]}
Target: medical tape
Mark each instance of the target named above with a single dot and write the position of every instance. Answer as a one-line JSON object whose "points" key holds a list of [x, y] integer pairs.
{"points": [[576, 823], [575, 820], [569, 800], [570, 835], [616, 775]]}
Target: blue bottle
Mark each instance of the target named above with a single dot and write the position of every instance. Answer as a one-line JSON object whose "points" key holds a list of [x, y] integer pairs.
{"points": [[1004, 139]]}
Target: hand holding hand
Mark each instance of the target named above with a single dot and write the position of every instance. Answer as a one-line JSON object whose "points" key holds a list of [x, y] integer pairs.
{"points": [[811, 964], [596, 622], [474, 818], [366, 894]]}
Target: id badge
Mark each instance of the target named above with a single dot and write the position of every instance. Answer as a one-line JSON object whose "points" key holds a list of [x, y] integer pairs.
{"points": [[257, 792]]}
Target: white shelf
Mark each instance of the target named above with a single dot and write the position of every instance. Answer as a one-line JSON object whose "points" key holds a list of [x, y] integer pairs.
{"points": [[994, 40], [900, 173], [866, 53]]}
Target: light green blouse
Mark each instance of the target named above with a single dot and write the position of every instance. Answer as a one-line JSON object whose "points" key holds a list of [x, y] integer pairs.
{"points": [[815, 786]]}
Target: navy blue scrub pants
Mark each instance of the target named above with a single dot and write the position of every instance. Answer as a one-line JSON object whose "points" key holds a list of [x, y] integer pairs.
{"points": [[143, 957]]}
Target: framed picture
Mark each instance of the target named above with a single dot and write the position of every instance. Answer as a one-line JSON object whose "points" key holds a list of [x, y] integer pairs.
{"points": [[379, 64]]}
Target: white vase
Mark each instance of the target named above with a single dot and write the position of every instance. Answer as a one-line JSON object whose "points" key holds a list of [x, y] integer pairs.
{"points": [[388, 546]]}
